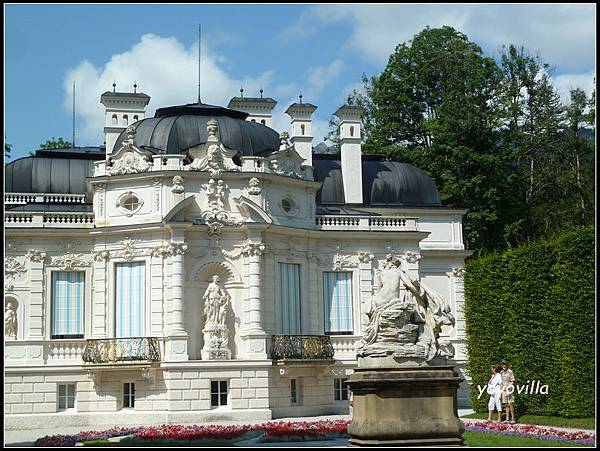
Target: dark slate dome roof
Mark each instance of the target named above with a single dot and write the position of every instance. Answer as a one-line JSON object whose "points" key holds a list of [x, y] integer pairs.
{"points": [[52, 171], [174, 130], [385, 183]]}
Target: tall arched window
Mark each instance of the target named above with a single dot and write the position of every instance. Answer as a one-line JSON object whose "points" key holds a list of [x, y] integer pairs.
{"points": [[351, 130], [125, 120], [136, 118], [114, 119], [302, 129], [262, 121]]}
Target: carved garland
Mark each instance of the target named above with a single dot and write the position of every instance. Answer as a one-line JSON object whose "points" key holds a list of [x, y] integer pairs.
{"points": [[12, 269]]}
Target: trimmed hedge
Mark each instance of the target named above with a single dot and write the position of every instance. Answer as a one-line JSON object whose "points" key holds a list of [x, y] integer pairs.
{"points": [[535, 307]]}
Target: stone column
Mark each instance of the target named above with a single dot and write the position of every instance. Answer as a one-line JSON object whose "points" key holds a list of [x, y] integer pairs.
{"points": [[365, 274], [99, 299], [254, 335], [35, 327], [177, 341]]}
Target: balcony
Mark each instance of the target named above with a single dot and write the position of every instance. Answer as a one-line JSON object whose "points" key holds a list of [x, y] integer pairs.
{"points": [[350, 223], [121, 350], [287, 348]]}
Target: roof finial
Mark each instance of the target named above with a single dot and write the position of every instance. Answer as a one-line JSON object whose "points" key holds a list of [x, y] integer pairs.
{"points": [[242, 92], [300, 97], [114, 86], [261, 92], [135, 87]]}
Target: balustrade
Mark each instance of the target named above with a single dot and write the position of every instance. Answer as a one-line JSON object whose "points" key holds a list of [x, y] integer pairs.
{"points": [[301, 347], [113, 350]]}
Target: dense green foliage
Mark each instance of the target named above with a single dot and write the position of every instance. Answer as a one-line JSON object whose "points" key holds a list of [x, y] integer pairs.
{"points": [[534, 306], [56, 144], [494, 135]]}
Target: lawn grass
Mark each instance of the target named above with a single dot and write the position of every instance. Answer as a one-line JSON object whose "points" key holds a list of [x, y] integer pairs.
{"points": [[489, 439], [578, 423]]}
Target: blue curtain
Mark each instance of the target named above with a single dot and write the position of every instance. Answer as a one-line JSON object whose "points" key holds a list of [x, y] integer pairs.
{"points": [[337, 297], [67, 303], [289, 299], [130, 299]]}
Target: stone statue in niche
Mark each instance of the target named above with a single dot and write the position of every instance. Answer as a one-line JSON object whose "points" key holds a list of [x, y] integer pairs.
{"points": [[216, 332], [405, 319], [10, 320]]}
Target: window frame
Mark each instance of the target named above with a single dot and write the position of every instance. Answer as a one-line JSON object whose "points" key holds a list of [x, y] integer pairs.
{"points": [[340, 387], [219, 393], [278, 294], [128, 395], [84, 305], [66, 397], [352, 303]]}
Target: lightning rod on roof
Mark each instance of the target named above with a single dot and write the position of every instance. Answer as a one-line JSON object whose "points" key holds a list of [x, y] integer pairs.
{"points": [[199, 59], [73, 143]]}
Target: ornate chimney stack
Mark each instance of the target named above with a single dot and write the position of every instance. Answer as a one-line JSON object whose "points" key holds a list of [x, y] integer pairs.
{"points": [[302, 128], [259, 109], [350, 143], [122, 110]]}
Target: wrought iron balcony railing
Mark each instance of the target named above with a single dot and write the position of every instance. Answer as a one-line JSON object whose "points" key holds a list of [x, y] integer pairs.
{"points": [[301, 347], [113, 350]]}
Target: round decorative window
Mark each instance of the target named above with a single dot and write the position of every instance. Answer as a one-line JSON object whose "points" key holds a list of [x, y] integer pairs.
{"points": [[289, 207], [129, 203]]}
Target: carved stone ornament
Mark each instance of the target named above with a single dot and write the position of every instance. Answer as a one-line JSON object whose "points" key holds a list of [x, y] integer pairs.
{"points": [[129, 159], [216, 216], [213, 157], [129, 249], [149, 375], [254, 186], [12, 269], [216, 332], [459, 273], [101, 256], [405, 318], [36, 256], [412, 257], [70, 259], [177, 186], [340, 262], [286, 162], [94, 375], [251, 249], [365, 257]]}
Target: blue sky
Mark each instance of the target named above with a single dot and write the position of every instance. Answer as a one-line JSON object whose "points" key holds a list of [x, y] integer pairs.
{"points": [[321, 50]]}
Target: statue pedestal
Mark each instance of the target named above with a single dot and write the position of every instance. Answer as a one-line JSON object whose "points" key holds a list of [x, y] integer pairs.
{"points": [[405, 406], [216, 343]]}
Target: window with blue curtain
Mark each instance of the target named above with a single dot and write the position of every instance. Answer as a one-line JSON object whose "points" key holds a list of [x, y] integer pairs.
{"points": [[337, 299], [289, 299], [130, 288], [68, 290]]}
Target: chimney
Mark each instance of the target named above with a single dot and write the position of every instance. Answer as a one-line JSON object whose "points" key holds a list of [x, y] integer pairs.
{"points": [[122, 110], [259, 109], [350, 121], [301, 129]]}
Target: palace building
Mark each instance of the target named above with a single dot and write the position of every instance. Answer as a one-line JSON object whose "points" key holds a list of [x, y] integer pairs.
{"points": [[203, 266]]}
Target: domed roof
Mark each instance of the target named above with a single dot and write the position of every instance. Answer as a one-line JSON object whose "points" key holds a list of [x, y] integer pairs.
{"points": [[57, 171], [385, 183], [174, 130]]}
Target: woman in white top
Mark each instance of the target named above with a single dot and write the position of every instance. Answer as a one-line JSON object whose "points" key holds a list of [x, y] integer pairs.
{"points": [[495, 389]]}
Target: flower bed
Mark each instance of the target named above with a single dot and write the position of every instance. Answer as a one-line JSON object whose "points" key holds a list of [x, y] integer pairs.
{"points": [[274, 431], [270, 431], [530, 430]]}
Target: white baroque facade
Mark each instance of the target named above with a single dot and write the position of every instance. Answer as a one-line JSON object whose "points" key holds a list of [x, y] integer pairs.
{"points": [[110, 253]]}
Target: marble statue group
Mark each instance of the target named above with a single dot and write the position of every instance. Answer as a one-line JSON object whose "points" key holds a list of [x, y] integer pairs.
{"points": [[405, 318]]}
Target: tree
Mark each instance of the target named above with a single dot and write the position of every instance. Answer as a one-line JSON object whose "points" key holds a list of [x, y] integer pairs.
{"points": [[434, 106], [56, 144], [7, 149]]}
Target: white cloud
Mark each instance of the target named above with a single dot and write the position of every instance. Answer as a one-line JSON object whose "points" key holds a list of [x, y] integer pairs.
{"points": [[319, 77], [164, 69], [565, 82], [563, 34]]}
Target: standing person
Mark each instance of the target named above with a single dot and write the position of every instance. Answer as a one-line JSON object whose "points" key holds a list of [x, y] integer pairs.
{"points": [[494, 390], [508, 388]]}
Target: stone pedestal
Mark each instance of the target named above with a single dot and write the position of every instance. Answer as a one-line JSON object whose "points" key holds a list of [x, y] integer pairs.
{"points": [[405, 406], [216, 343]]}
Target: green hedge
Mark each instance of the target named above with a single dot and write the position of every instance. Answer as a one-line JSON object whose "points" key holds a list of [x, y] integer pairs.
{"points": [[535, 307]]}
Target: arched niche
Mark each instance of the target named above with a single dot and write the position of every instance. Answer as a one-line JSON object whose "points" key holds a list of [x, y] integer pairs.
{"points": [[12, 304], [204, 270]]}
